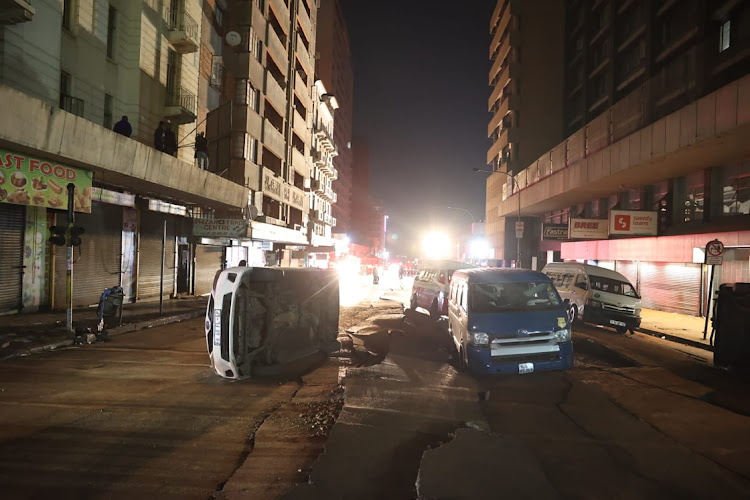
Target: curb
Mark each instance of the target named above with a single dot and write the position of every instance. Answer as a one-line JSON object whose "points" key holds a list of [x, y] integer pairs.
{"points": [[126, 328], [675, 338]]}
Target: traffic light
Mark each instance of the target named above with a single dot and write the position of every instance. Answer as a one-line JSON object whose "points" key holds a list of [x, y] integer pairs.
{"points": [[75, 235], [665, 213], [59, 235], [63, 235]]}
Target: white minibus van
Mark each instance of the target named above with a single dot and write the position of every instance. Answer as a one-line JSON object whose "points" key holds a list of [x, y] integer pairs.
{"points": [[597, 295]]}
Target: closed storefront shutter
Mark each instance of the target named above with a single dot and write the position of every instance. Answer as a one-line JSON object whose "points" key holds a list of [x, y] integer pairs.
{"points": [[150, 254], [207, 264], [97, 262], [629, 269], [671, 287], [11, 256]]}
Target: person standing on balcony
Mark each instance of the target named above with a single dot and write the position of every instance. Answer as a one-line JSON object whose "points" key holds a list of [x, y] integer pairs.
{"points": [[160, 137], [201, 150], [170, 141], [123, 127]]}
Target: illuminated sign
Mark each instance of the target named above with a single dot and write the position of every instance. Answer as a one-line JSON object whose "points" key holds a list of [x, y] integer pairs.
{"points": [[632, 222], [587, 229]]}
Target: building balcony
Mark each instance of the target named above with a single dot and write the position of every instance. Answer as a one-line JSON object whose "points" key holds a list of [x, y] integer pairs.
{"points": [[509, 72], [304, 21], [510, 103], [71, 104], [281, 11], [275, 94], [244, 65], [183, 33], [181, 106], [302, 91], [245, 119], [304, 56], [16, 11], [299, 125], [273, 139], [325, 140], [278, 51], [299, 164]]}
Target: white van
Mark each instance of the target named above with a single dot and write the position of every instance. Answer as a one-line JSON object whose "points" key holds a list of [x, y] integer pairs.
{"points": [[430, 289], [597, 295]]}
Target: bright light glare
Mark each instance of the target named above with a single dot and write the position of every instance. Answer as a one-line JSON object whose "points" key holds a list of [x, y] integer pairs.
{"points": [[436, 245], [479, 249]]}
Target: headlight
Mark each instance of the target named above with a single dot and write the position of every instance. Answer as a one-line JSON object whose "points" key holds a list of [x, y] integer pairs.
{"points": [[480, 339], [562, 335], [638, 312], [593, 303]]}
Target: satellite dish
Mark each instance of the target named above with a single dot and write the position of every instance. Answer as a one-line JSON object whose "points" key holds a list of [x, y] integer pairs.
{"points": [[253, 212], [233, 38]]}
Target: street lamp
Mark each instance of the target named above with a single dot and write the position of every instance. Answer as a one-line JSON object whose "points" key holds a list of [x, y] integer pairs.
{"points": [[473, 219], [515, 183]]}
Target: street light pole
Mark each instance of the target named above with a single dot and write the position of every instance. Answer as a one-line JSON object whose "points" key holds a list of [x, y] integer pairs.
{"points": [[517, 188], [473, 219]]}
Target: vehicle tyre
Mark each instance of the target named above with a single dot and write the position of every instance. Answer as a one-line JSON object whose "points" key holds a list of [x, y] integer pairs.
{"points": [[621, 329], [573, 314], [434, 312], [413, 303], [463, 360]]}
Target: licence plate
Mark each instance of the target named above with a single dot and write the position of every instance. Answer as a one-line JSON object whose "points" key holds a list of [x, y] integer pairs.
{"points": [[525, 368], [617, 323]]}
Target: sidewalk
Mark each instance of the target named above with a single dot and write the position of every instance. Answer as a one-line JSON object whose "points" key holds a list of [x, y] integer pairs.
{"points": [[680, 328], [24, 334]]}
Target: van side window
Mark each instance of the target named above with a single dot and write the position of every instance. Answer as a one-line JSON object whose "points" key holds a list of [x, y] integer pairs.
{"points": [[582, 282], [464, 297], [452, 293]]}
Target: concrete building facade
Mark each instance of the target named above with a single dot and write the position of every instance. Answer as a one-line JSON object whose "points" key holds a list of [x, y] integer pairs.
{"points": [[656, 121], [333, 66], [240, 71]]}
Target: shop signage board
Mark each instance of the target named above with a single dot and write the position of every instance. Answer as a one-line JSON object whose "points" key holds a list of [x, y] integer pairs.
{"points": [[588, 229], [113, 197], [632, 222], [554, 231], [28, 180], [714, 253], [220, 228]]}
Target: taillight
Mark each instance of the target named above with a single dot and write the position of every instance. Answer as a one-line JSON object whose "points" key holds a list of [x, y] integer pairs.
{"points": [[442, 280]]}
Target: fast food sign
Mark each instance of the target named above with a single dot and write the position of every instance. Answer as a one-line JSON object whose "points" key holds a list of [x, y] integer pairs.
{"points": [[27, 180]]}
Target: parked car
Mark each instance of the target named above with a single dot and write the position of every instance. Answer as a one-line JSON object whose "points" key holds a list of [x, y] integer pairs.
{"points": [[431, 283], [597, 295], [508, 321]]}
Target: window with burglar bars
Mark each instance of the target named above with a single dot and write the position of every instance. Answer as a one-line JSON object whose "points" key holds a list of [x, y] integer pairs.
{"points": [[217, 72], [247, 94]]}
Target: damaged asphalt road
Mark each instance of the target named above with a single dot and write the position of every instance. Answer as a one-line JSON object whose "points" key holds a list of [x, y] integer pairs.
{"points": [[412, 426]]}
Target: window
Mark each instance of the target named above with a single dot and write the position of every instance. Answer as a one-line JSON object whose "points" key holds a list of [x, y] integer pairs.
{"points": [[67, 14], [217, 72], [513, 296], [219, 16], [724, 32], [610, 285], [689, 196], [734, 182], [245, 147], [65, 85], [108, 104], [582, 282], [111, 32]]}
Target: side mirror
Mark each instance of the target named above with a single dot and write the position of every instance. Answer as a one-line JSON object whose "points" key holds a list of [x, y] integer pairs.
{"points": [[583, 286], [566, 303]]}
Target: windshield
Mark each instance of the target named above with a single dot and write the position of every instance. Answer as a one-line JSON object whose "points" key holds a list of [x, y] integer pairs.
{"points": [[613, 286], [513, 296]]}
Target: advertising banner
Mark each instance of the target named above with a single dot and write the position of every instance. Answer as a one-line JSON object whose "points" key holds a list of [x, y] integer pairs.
{"points": [[27, 180], [632, 222], [220, 228], [554, 231], [587, 229]]}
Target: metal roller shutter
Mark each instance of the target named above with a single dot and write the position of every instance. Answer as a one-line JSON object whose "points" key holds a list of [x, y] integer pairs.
{"points": [[671, 287], [11, 256], [149, 255], [629, 269], [207, 263], [97, 262]]}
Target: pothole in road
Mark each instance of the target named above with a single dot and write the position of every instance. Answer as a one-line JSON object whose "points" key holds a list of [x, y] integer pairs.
{"points": [[590, 353]]}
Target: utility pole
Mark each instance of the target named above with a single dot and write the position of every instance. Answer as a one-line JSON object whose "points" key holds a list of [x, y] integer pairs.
{"points": [[69, 265]]}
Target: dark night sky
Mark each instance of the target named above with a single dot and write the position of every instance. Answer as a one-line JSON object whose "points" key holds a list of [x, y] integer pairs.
{"points": [[420, 99]]}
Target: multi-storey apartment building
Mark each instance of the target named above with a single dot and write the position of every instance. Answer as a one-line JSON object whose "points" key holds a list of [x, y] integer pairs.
{"points": [[333, 66], [322, 195], [656, 123], [69, 71], [260, 132]]}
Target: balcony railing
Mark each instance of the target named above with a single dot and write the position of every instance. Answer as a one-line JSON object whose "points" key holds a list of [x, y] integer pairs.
{"points": [[71, 104], [183, 31], [182, 98]]}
